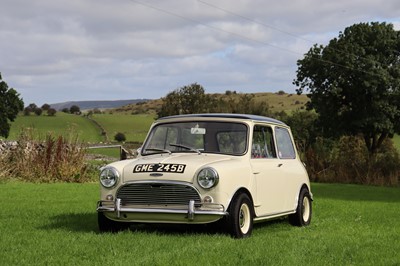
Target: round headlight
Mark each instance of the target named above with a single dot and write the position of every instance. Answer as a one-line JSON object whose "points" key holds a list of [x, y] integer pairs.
{"points": [[109, 177], [207, 178]]}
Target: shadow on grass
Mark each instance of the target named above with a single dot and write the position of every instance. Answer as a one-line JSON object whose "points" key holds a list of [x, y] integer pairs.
{"points": [[75, 222], [87, 222]]}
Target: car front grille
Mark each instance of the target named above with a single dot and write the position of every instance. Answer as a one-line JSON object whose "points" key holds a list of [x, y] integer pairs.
{"points": [[157, 194]]}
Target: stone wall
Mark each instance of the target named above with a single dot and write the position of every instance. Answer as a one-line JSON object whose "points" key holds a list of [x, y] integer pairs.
{"points": [[6, 146]]}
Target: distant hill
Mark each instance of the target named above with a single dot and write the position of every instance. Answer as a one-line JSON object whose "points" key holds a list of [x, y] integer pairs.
{"points": [[85, 105], [278, 101]]}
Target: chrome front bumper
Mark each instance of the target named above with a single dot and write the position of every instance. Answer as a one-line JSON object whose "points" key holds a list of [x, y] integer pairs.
{"points": [[190, 211]]}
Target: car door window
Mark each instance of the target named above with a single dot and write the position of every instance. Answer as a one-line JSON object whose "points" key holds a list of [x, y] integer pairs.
{"points": [[263, 143], [284, 144]]}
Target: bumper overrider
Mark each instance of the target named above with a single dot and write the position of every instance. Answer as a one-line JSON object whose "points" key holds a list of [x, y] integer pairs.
{"points": [[191, 213]]}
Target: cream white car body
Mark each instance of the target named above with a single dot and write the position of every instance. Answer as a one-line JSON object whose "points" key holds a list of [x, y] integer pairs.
{"points": [[272, 183]]}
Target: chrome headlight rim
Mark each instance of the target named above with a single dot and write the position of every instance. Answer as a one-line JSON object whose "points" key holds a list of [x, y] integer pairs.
{"points": [[207, 178], [109, 177]]}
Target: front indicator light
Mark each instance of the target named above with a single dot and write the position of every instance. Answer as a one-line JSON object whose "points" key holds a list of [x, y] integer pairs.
{"points": [[208, 199]]}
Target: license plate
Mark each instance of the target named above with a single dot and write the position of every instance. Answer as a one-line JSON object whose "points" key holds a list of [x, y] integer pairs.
{"points": [[162, 167]]}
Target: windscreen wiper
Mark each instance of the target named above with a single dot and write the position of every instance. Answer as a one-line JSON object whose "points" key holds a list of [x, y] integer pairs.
{"points": [[185, 147]]}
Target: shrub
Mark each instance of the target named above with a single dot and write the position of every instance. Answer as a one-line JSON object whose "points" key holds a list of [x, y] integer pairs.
{"points": [[75, 110], [45, 107], [27, 111], [38, 111], [120, 137], [347, 160], [54, 159], [51, 112]]}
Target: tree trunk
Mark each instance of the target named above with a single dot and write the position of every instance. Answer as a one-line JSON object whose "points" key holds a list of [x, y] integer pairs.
{"points": [[374, 141]]}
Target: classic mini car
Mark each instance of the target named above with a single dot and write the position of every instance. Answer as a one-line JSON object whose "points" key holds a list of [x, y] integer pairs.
{"points": [[194, 169]]}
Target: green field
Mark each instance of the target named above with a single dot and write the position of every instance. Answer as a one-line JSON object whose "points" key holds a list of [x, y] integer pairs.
{"points": [[396, 141], [135, 127], [60, 124], [55, 224]]}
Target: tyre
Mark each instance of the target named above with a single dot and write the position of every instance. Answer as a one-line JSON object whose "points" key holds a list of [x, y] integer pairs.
{"points": [[107, 225], [302, 216], [240, 219]]}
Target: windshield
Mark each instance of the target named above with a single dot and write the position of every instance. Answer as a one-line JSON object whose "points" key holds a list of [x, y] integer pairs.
{"points": [[201, 137]]}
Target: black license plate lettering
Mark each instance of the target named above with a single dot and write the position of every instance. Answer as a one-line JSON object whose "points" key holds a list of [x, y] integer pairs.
{"points": [[166, 168]]}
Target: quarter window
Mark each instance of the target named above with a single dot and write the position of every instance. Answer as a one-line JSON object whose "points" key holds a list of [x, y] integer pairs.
{"points": [[284, 143]]}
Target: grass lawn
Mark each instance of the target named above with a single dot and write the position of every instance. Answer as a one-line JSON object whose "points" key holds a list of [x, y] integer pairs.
{"points": [[135, 127], [60, 124], [396, 141], [55, 224]]}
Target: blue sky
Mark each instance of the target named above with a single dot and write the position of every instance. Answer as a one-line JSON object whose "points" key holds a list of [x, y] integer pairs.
{"points": [[54, 51]]}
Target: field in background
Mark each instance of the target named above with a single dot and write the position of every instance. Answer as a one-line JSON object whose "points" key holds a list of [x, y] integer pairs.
{"points": [[55, 224], [60, 124], [135, 127], [277, 102], [282, 102], [396, 141]]}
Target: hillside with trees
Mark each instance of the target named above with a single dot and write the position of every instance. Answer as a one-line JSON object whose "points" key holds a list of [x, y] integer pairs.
{"points": [[275, 102]]}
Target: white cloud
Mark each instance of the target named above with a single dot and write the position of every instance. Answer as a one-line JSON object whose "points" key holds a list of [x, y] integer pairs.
{"points": [[53, 50]]}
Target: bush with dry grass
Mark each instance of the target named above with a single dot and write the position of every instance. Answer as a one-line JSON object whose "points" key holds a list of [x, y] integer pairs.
{"points": [[56, 158], [348, 161]]}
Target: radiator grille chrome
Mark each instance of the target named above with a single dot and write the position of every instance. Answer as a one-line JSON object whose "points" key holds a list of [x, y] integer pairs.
{"points": [[157, 194]]}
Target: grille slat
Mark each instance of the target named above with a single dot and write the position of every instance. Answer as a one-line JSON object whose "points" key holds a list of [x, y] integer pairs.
{"points": [[157, 194]]}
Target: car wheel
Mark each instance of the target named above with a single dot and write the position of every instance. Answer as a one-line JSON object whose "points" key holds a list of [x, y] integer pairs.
{"points": [[240, 219], [302, 216], [107, 225]]}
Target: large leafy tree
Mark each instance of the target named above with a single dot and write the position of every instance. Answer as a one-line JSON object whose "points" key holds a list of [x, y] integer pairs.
{"points": [[10, 105], [185, 100], [354, 82]]}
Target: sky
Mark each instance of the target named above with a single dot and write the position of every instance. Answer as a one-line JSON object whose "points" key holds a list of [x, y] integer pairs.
{"points": [[55, 51]]}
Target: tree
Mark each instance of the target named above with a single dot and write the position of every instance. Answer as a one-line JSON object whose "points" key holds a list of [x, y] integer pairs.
{"points": [[186, 100], [120, 137], [302, 124], [45, 107], [27, 111], [10, 105], [38, 111], [354, 83], [32, 106], [74, 109], [51, 112]]}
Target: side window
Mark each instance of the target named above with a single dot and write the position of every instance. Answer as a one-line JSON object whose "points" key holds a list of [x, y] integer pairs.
{"points": [[284, 143], [263, 143]]}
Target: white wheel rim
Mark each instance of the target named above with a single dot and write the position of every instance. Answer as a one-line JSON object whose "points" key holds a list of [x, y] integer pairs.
{"points": [[306, 209], [244, 218]]}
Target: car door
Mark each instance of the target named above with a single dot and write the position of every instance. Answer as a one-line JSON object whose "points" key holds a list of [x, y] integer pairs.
{"points": [[291, 167], [270, 180]]}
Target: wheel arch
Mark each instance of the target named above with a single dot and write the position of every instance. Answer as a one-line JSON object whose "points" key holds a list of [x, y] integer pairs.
{"points": [[238, 192], [306, 187]]}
